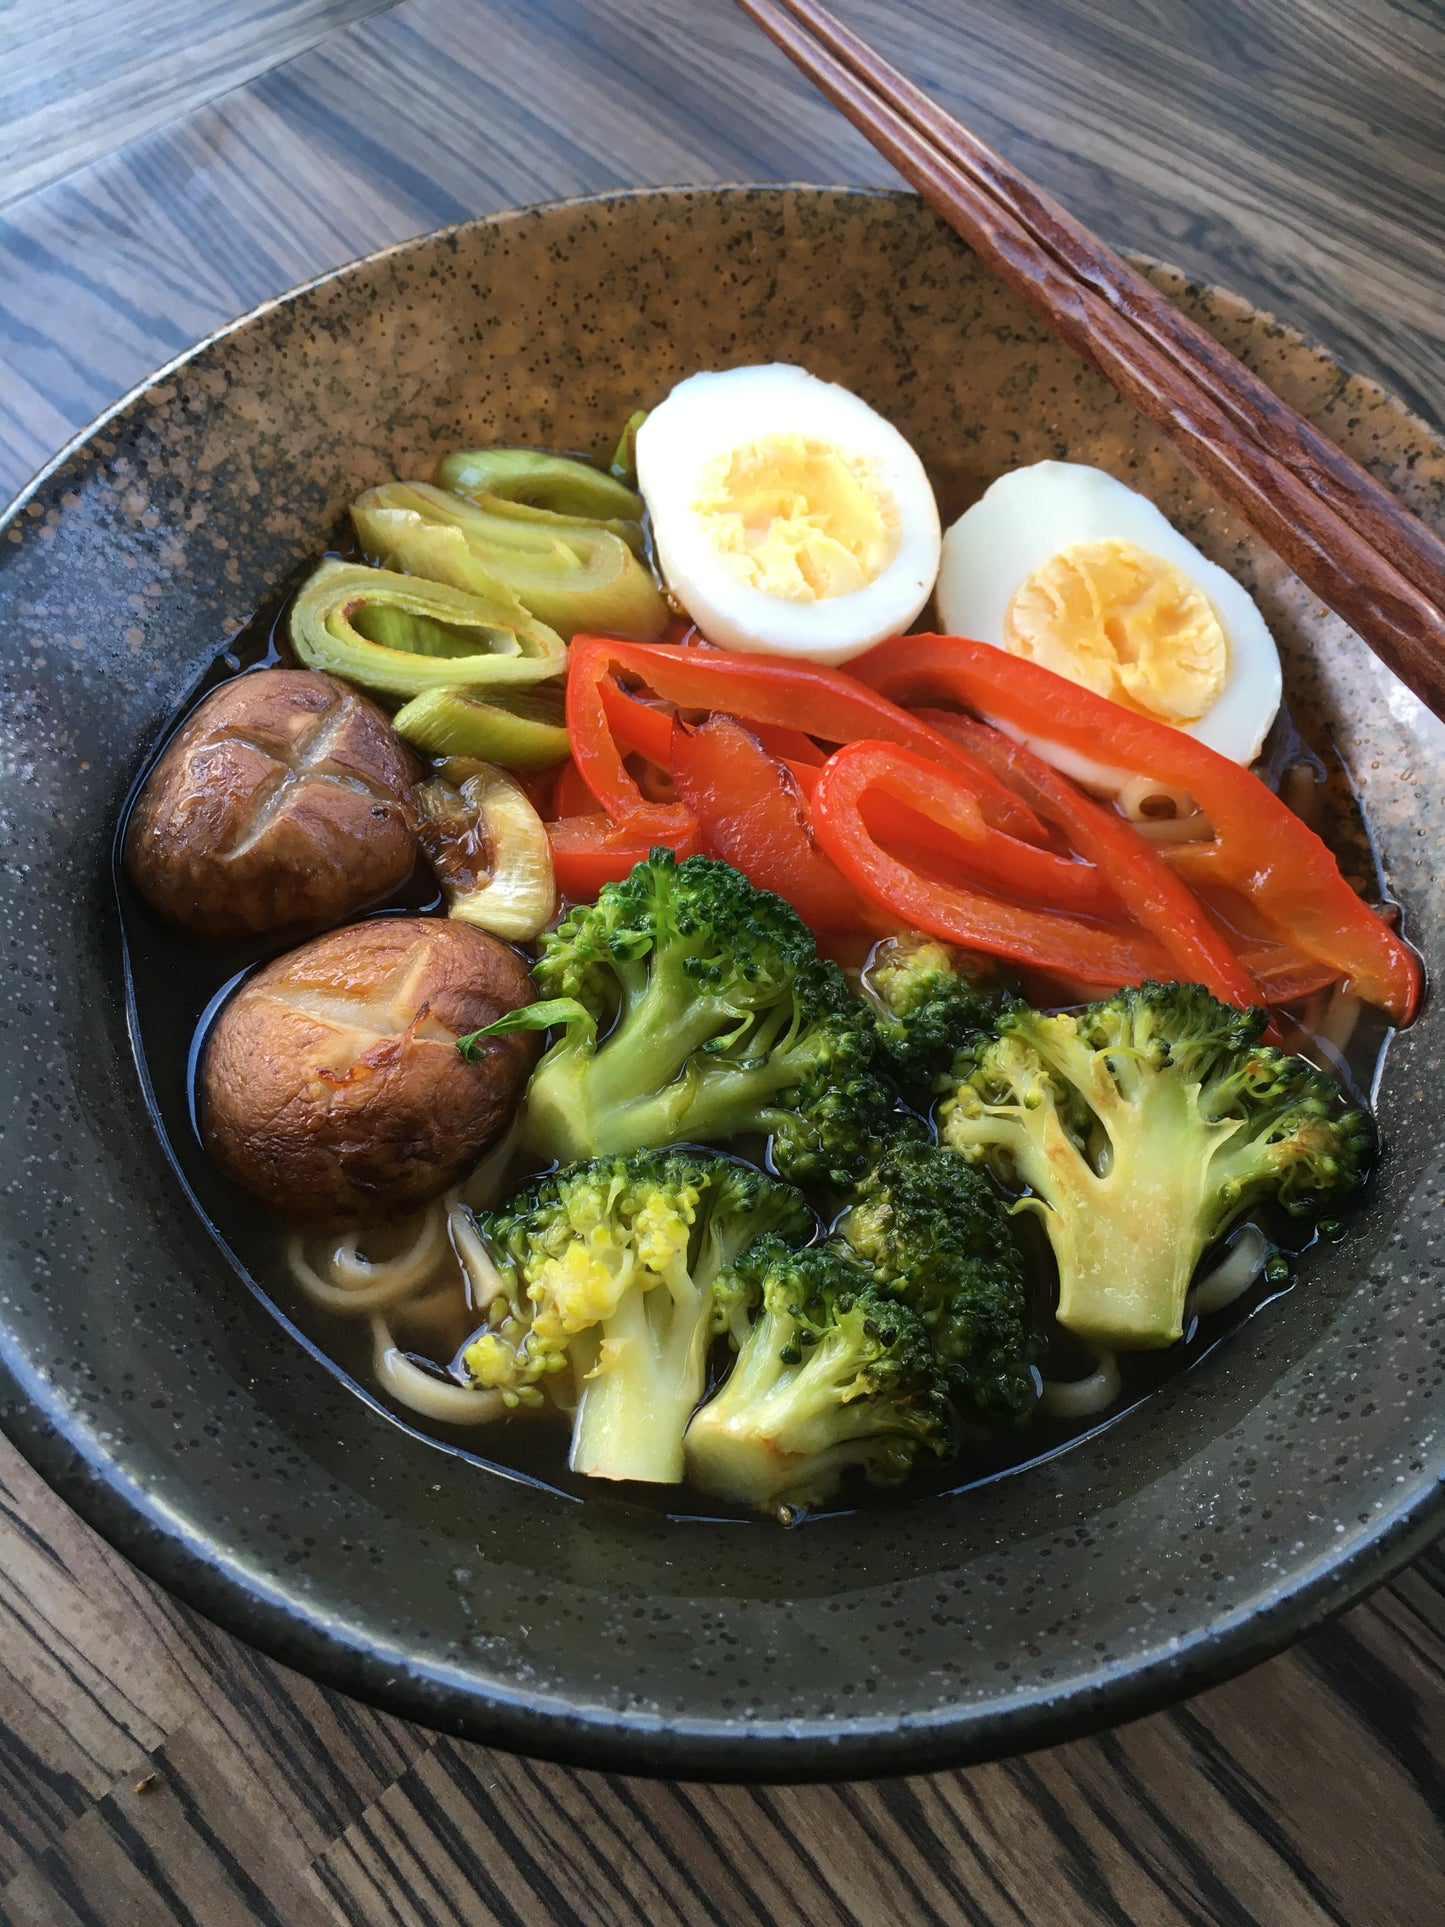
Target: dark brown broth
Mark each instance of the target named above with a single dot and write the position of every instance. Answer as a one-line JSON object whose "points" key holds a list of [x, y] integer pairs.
{"points": [[176, 987]]}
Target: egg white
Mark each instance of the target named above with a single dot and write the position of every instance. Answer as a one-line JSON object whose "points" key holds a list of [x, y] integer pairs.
{"points": [[1026, 518], [711, 415]]}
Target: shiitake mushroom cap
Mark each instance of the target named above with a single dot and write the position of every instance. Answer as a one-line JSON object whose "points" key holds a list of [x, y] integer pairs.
{"points": [[332, 1088], [283, 802]]}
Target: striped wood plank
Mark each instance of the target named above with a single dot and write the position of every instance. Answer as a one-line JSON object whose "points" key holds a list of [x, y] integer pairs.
{"points": [[79, 78], [1289, 148], [154, 1770]]}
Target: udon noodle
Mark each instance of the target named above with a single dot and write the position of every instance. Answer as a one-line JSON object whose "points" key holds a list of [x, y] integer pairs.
{"points": [[1096, 1391], [1163, 814], [1075, 1398], [1143, 801], [1237, 1270], [426, 1281]]}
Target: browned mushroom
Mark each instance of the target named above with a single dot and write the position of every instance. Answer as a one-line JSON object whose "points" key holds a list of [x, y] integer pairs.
{"points": [[284, 801], [333, 1089]]}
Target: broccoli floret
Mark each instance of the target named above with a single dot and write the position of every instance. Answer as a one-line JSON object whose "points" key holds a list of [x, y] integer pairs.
{"points": [[694, 1008], [929, 1000], [1141, 1126], [833, 1373], [936, 1236], [617, 1272]]}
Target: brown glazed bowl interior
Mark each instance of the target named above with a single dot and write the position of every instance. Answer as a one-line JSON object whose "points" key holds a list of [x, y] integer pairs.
{"points": [[1296, 1465]]}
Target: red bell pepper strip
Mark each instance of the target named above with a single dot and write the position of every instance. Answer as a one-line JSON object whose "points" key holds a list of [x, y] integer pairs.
{"points": [[752, 815], [570, 795], [892, 823], [599, 759], [1283, 974], [1019, 870], [1259, 846], [790, 746], [759, 689], [539, 786], [588, 851], [1141, 879], [1010, 762], [638, 726], [974, 919], [1048, 940]]}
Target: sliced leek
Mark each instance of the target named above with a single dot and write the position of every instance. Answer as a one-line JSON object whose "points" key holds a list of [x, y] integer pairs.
{"points": [[570, 574], [624, 460], [522, 731], [488, 847], [400, 636], [552, 482]]}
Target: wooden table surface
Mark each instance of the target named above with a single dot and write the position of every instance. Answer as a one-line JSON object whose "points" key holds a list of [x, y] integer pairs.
{"points": [[167, 166]]}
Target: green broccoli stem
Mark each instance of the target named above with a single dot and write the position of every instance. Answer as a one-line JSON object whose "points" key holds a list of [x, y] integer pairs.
{"points": [[731, 1444], [1129, 1234], [656, 1031], [777, 1430], [649, 1373], [582, 1103]]}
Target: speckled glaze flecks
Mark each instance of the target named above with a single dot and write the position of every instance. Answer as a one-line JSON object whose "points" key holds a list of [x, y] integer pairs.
{"points": [[1251, 1497]]}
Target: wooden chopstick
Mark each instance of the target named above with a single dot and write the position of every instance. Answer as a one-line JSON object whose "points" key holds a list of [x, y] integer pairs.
{"points": [[1348, 539], [1418, 552]]}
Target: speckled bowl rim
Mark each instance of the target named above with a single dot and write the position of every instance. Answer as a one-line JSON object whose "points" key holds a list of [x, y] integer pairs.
{"points": [[202, 1577]]}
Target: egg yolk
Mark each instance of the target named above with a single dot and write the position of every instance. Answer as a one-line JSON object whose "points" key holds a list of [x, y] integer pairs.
{"points": [[797, 518], [1124, 623]]}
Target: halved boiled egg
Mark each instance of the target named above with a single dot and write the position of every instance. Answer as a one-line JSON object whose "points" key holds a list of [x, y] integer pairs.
{"points": [[788, 515], [1065, 566]]}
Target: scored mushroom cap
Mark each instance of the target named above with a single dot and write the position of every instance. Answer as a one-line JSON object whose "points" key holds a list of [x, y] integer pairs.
{"points": [[332, 1086], [284, 800]]}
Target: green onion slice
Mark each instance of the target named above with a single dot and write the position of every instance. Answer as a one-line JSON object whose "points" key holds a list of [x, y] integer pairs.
{"points": [[555, 483], [401, 636], [488, 847], [525, 730], [570, 574]]}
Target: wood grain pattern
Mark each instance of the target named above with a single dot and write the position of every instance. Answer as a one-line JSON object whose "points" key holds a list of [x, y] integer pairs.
{"points": [[1290, 148], [79, 79], [155, 1771]]}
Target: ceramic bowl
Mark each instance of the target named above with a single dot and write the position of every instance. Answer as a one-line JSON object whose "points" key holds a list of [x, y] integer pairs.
{"points": [[1294, 1467]]}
